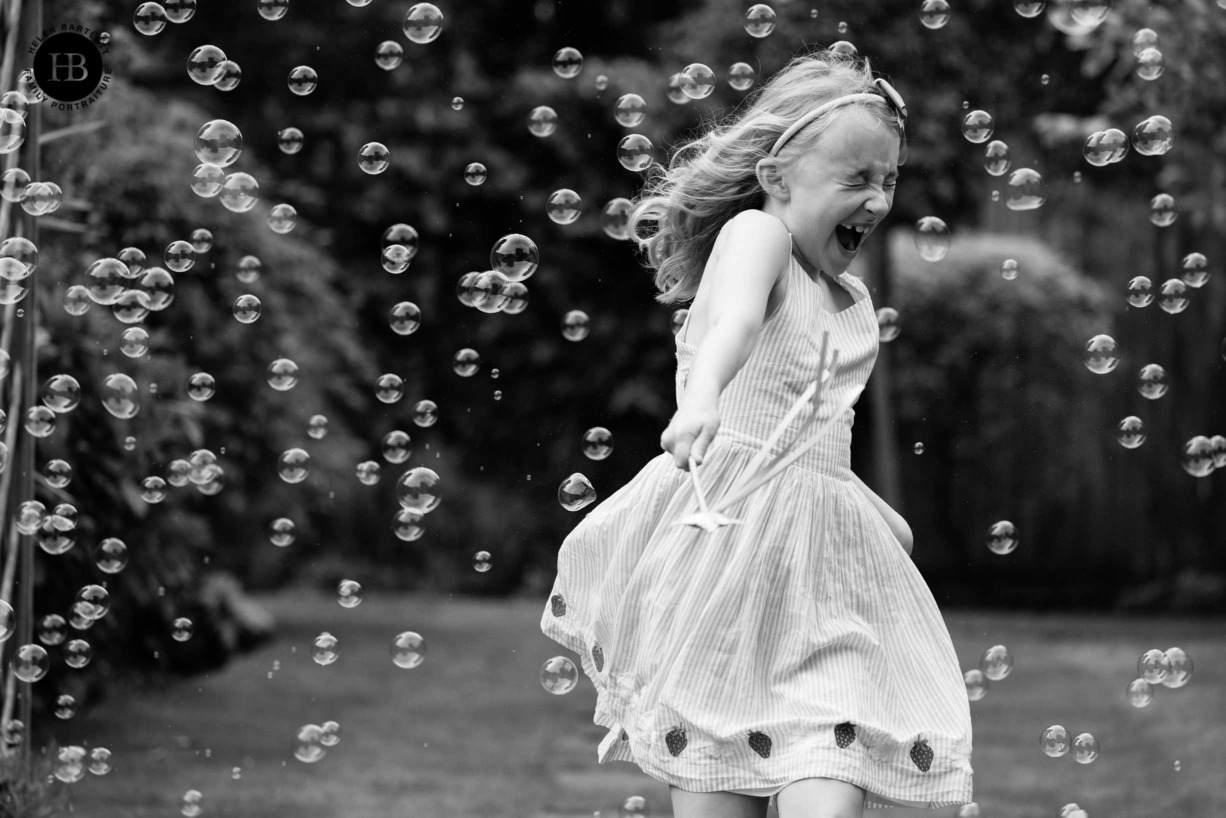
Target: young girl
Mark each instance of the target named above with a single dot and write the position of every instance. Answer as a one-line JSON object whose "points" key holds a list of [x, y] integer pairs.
{"points": [[798, 654]]}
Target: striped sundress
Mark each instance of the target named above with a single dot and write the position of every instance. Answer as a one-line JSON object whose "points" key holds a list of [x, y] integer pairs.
{"points": [[802, 643]]}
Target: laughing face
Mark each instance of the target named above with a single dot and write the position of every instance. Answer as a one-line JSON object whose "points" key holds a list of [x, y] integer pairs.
{"points": [[837, 193]]}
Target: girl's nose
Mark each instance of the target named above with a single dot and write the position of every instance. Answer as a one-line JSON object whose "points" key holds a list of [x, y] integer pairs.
{"points": [[878, 203]]}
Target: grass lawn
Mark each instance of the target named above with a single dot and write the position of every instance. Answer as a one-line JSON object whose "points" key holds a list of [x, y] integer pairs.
{"points": [[471, 733]]}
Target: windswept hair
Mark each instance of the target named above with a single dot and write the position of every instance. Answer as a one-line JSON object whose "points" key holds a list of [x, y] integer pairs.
{"points": [[680, 211]]}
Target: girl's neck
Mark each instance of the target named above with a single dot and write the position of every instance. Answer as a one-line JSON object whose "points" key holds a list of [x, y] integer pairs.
{"points": [[808, 266]]}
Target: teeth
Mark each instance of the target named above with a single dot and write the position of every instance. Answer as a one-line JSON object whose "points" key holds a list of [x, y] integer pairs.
{"points": [[857, 227]]}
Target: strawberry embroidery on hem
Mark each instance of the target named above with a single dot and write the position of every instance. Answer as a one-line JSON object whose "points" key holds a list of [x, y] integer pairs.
{"points": [[598, 657], [921, 754], [558, 605], [844, 734], [676, 740], [760, 743]]}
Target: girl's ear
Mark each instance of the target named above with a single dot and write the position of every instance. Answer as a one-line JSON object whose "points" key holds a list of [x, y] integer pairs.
{"points": [[770, 177]]}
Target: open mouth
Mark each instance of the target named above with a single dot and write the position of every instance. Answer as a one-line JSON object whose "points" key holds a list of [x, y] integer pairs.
{"points": [[850, 236]]}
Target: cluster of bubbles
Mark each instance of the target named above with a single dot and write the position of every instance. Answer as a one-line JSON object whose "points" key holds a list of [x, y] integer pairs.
{"points": [[1055, 742], [73, 761], [1170, 668], [1202, 454], [312, 741], [37, 198], [995, 664]]}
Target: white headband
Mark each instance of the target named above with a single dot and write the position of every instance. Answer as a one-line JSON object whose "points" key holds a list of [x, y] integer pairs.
{"points": [[891, 99]]}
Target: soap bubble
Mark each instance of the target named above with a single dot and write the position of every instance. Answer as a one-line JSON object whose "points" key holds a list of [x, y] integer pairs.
{"points": [[697, 81], [329, 734], [542, 121], [374, 157], [759, 20], [977, 126], [302, 80], [407, 526], [1173, 296], [1130, 432], [475, 174], [395, 258], [996, 662], [1180, 671], [1055, 741], [396, 446], [77, 300], [58, 474], [888, 326], [976, 684], [247, 308], [1150, 64], [564, 206], [294, 465], [1198, 459], [1027, 190], [741, 76], [1102, 355], [290, 140], [40, 421], [389, 387], [1077, 17], [1153, 666], [104, 279], [61, 393], [405, 318], [615, 219], [229, 75], [30, 663], [272, 9], [181, 629], [1008, 269], [576, 492], [111, 555], [932, 238], [419, 489], [201, 241], [996, 159], [515, 256], [1194, 270], [675, 94], [119, 396], [1151, 381], [282, 374], [575, 325], [203, 64], [12, 130], [1140, 693], [65, 706], [597, 443], [423, 23], [219, 142], [92, 602], [559, 675], [1085, 748], [239, 192], [1140, 291], [934, 14], [323, 649], [629, 109], [466, 362], [281, 532], [282, 218], [159, 286], [100, 761], [567, 63], [457, 103], [69, 763], [1105, 147], [1153, 136], [134, 342], [635, 152], [425, 413], [1002, 537], [201, 386], [207, 180], [482, 562], [179, 11], [1162, 210], [308, 747], [1029, 8], [408, 650], [52, 629], [149, 18], [389, 54], [367, 472]]}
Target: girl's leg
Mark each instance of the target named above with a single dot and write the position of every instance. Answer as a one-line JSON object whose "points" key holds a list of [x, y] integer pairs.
{"points": [[821, 798], [716, 804]]}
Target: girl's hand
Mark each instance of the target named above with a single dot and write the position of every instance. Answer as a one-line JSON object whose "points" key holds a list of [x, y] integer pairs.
{"points": [[690, 432]]}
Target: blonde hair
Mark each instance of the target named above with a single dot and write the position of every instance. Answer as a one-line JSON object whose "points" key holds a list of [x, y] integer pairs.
{"points": [[678, 214]]}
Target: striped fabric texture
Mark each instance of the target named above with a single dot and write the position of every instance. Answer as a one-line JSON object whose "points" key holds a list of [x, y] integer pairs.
{"points": [[802, 642]]}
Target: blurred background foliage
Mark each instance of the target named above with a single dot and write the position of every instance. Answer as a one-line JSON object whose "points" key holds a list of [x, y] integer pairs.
{"points": [[987, 373]]}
